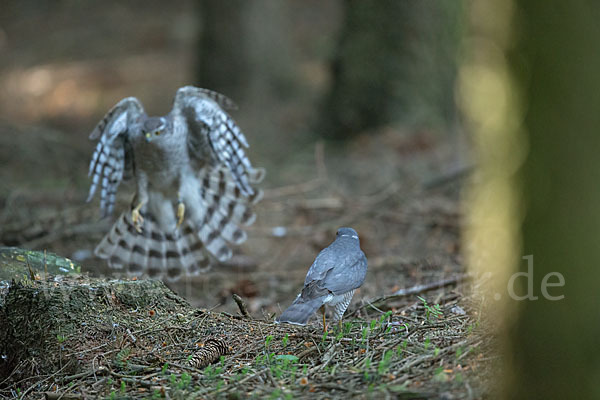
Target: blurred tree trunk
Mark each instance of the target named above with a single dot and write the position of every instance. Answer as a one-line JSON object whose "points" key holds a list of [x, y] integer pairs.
{"points": [[223, 63], [244, 49], [554, 344], [394, 60]]}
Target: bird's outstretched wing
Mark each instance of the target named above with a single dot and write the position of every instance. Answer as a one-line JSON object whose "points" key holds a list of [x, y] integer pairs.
{"points": [[112, 157], [212, 133]]}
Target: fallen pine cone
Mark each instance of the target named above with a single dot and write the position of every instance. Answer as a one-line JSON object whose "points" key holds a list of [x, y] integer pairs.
{"points": [[212, 351]]}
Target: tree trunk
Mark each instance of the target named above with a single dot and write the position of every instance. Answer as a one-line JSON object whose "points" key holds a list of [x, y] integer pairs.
{"points": [[531, 91], [223, 62], [396, 60], [48, 325], [555, 343]]}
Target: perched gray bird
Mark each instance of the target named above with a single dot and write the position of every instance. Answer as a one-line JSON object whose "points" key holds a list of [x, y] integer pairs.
{"points": [[194, 184], [336, 273]]}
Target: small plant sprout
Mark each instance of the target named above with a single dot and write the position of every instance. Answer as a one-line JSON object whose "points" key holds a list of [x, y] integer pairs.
{"points": [[434, 311], [385, 317], [165, 367], [347, 328], [184, 381], [459, 352], [367, 366], [268, 340], [384, 364], [440, 375], [400, 349], [284, 340], [427, 343], [365, 333], [121, 357]]}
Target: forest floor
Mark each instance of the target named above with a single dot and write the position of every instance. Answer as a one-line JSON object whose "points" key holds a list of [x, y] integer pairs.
{"points": [[415, 328]]}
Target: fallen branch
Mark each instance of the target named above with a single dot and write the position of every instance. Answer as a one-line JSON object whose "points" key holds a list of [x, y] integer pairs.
{"points": [[241, 305], [412, 290], [426, 287]]}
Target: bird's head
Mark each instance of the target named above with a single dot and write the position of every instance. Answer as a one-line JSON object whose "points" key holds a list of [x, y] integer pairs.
{"points": [[347, 232], [154, 127]]}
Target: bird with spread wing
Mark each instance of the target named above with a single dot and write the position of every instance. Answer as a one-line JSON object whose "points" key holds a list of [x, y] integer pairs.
{"points": [[194, 184]]}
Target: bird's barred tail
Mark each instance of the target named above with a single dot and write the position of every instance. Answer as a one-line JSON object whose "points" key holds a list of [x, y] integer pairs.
{"points": [[160, 251], [301, 310], [152, 252], [222, 210]]}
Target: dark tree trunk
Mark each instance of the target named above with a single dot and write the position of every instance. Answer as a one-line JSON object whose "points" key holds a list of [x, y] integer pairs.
{"points": [[554, 344], [395, 60], [223, 63]]}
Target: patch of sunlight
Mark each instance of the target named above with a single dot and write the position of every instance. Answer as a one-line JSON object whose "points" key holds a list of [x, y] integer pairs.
{"points": [[494, 110]]}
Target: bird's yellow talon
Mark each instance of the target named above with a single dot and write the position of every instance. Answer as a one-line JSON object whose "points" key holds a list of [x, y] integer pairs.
{"points": [[137, 218], [180, 214]]}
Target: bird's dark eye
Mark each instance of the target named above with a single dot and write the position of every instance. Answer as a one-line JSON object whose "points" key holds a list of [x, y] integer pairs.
{"points": [[157, 132]]}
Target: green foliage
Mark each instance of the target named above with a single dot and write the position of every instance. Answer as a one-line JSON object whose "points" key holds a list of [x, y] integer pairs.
{"points": [[287, 357], [384, 364], [121, 357], [459, 352], [268, 340], [184, 381], [366, 374], [434, 310], [324, 338], [439, 375], [284, 340], [211, 372], [458, 378]]}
